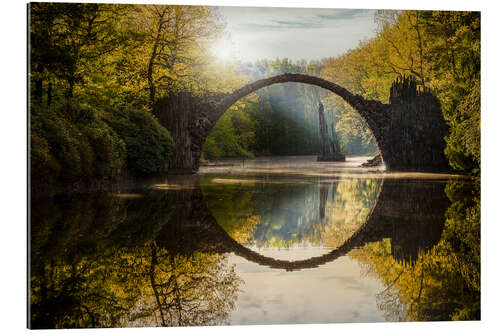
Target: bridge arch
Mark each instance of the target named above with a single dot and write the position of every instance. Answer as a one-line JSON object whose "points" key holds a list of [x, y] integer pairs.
{"points": [[409, 131], [365, 108]]}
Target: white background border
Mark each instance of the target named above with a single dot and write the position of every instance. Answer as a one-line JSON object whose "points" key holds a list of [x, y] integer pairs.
{"points": [[14, 147]]}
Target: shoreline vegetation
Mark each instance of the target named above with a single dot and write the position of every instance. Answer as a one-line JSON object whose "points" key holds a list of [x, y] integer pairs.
{"points": [[96, 69]]}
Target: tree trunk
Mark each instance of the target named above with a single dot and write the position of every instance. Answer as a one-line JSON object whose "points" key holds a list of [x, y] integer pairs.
{"points": [[49, 94], [38, 92], [71, 86]]}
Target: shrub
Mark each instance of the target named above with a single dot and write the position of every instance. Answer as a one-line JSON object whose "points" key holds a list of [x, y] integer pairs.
{"points": [[149, 145], [44, 165], [105, 144], [70, 143]]}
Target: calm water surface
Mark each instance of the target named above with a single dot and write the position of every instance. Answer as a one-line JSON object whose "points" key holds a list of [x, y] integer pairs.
{"points": [[265, 241]]}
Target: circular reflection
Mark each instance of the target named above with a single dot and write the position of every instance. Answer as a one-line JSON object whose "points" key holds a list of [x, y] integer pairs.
{"points": [[269, 214]]}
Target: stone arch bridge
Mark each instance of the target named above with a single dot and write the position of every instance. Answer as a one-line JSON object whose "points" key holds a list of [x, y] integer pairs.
{"points": [[409, 131]]}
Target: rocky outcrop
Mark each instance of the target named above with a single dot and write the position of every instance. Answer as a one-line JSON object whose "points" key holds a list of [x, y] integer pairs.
{"points": [[329, 147], [376, 161]]}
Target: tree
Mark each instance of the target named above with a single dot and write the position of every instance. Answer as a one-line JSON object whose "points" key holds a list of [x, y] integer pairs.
{"points": [[69, 39], [441, 49], [170, 45]]}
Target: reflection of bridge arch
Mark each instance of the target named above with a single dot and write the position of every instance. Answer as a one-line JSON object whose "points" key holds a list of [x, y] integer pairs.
{"points": [[411, 213], [358, 239], [409, 131]]}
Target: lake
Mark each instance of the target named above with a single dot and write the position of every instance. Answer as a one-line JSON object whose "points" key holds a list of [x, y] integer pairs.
{"points": [[274, 240]]}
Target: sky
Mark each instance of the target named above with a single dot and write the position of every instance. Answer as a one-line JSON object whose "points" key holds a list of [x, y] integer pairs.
{"points": [[295, 33]]}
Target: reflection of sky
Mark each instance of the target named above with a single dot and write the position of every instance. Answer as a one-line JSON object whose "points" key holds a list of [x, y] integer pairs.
{"points": [[334, 292], [296, 33]]}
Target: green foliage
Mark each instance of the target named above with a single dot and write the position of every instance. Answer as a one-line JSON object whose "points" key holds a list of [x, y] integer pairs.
{"points": [[233, 136], [107, 56], [149, 145], [453, 40], [43, 164], [75, 143], [442, 50], [464, 141], [70, 143], [70, 40]]}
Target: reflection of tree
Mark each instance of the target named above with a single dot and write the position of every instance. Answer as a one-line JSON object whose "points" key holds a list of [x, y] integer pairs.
{"points": [[70, 287], [191, 291], [323, 198], [348, 209], [389, 301], [123, 288], [442, 283], [86, 292], [234, 208], [93, 266], [280, 214]]}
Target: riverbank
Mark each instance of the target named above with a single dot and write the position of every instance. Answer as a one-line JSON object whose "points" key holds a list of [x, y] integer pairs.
{"points": [[271, 165], [122, 183]]}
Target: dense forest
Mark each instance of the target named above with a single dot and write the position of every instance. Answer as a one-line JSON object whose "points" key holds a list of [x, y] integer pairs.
{"points": [[96, 69]]}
